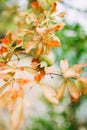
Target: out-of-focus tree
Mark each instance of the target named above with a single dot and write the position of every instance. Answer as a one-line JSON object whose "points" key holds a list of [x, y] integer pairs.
{"points": [[74, 44], [31, 28]]}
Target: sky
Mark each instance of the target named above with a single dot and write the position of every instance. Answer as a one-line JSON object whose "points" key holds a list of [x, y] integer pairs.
{"points": [[73, 15]]}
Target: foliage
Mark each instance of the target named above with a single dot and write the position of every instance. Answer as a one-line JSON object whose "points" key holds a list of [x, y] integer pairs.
{"points": [[34, 38], [74, 42]]}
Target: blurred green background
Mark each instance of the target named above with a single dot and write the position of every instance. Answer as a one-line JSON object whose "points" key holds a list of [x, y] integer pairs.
{"points": [[67, 115]]}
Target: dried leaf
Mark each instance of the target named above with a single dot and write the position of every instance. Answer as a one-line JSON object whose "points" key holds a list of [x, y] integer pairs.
{"points": [[35, 5], [3, 50], [62, 14], [74, 92], [49, 93], [38, 77], [25, 30], [55, 28], [17, 114], [84, 89], [50, 70], [73, 71], [54, 7], [2, 88], [51, 43], [5, 41], [29, 46], [61, 90], [22, 82], [64, 65], [83, 80], [19, 43], [39, 50], [41, 30]]}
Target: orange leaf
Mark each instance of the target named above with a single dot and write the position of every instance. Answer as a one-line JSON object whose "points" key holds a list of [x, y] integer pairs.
{"points": [[35, 5], [84, 90], [83, 80], [50, 70], [54, 7], [55, 28], [19, 43], [38, 77], [5, 41], [29, 46], [3, 66], [51, 43], [64, 65], [3, 50], [4, 75], [22, 82], [39, 50], [62, 14], [61, 90], [81, 65], [25, 30], [74, 92], [73, 71], [49, 93], [2, 88], [17, 114], [40, 30]]}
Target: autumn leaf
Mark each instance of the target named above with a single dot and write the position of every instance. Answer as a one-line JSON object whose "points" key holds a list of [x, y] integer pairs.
{"points": [[22, 32], [55, 28], [35, 5], [51, 43], [50, 70], [5, 41], [38, 77], [83, 80], [4, 76], [3, 50], [64, 65], [73, 71], [54, 7], [19, 43], [50, 94], [83, 84], [3, 66], [61, 90], [62, 14], [29, 46], [74, 92], [41, 30], [3, 87], [17, 114], [22, 82], [39, 50]]}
